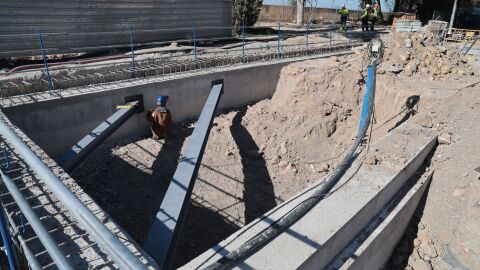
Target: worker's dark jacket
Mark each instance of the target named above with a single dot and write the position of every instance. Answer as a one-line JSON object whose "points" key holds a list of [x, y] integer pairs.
{"points": [[161, 119]]}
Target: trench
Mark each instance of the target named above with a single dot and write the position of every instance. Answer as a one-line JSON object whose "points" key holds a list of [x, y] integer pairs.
{"points": [[292, 133]]}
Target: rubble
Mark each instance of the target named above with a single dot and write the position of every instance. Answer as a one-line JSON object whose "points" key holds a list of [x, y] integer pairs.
{"points": [[418, 54]]}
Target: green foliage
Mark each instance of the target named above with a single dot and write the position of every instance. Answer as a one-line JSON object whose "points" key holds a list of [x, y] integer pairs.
{"points": [[246, 11]]}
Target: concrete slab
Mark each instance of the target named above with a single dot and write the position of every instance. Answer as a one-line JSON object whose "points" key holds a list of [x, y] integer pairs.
{"points": [[321, 234]]}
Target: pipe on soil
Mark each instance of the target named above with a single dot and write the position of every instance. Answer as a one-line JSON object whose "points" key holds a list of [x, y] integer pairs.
{"points": [[319, 194]]}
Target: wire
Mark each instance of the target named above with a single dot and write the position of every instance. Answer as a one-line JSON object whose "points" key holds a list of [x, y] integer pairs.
{"points": [[319, 194]]}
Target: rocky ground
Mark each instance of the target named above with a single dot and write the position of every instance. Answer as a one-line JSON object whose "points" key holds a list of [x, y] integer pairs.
{"points": [[260, 155]]}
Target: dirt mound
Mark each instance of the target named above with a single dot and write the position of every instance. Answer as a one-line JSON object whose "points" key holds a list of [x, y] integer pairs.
{"points": [[421, 55]]}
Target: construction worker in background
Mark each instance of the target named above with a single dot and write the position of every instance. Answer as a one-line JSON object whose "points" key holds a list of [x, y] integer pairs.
{"points": [[161, 119], [374, 16], [365, 16], [343, 17]]}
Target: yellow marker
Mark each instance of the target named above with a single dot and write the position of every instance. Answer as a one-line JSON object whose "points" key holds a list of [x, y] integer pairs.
{"points": [[124, 106]]}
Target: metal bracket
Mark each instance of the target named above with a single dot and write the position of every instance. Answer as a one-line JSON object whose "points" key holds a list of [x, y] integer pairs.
{"points": [[162, 238]]}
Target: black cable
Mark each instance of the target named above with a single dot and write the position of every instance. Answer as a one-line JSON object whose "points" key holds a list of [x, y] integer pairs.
{"points": [[302, 208]]}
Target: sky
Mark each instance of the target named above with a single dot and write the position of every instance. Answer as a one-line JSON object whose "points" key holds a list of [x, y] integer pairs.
{"points": [[350, 4]]}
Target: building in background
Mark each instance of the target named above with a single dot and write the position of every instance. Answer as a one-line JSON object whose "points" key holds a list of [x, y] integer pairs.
{"points": [[73, 26]]}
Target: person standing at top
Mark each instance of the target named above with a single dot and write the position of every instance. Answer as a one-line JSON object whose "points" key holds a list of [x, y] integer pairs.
{"points": [[343, 17], [161, 119], [374, 16], [365, 16]]}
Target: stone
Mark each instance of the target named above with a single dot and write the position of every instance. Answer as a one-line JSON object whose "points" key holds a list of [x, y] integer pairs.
{"points": [[442, 49], [394, 69], [460, 72], [416, 242], [425, 121], [283, 148], [276, 159], [371, 159], [291, 168], [420, 265], [445, 138], [404, 56], [427, 251], [408, 43], [445, 69], [411, 68], [283, 164], [322, 167]]}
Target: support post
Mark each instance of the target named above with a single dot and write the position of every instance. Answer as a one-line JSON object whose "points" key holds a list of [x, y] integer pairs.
{"points": [[162, 238], [452, 17], [278, 40], [243, 40], [330, 35], [307, 37], [132, 46], [45, 62], [90, 142], [194, 44]]}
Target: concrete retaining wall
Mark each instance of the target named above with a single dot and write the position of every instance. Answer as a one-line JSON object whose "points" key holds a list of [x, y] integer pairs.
{"points": [[57, 123]]}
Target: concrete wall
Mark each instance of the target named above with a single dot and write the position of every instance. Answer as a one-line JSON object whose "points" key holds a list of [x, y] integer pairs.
{"points": [[289, 14], [57, 123]]}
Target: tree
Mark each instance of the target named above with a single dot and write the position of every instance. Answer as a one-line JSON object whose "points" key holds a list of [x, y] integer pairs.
{"points": [[246, 12], [300, 12]]}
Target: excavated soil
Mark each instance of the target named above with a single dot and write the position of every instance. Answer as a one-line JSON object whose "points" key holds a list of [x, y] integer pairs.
{"points": [[260, 155]]}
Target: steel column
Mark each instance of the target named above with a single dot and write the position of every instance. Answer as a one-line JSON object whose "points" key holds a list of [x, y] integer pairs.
{"points": [[89, 143], [37, 226], [109, 242], [162, 238]]}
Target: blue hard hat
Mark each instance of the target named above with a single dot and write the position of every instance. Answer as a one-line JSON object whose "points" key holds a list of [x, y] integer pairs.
{"points": [[162, 100]]}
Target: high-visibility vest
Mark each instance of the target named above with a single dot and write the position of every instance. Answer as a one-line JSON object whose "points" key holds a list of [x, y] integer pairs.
{"points": [[375, 13], [365, 13], [343, 12]]}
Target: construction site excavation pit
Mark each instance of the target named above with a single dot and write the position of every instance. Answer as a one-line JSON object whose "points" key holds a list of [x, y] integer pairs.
{"points": [[262, 149]]}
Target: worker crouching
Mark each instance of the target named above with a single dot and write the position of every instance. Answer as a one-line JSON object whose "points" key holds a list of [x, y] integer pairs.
{"points": [[161, 119]]}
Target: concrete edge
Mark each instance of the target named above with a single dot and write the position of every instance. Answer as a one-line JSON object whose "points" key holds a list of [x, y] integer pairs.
{"points": [[342, 238], [265, 220], [384, 231], [112, 86]]}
